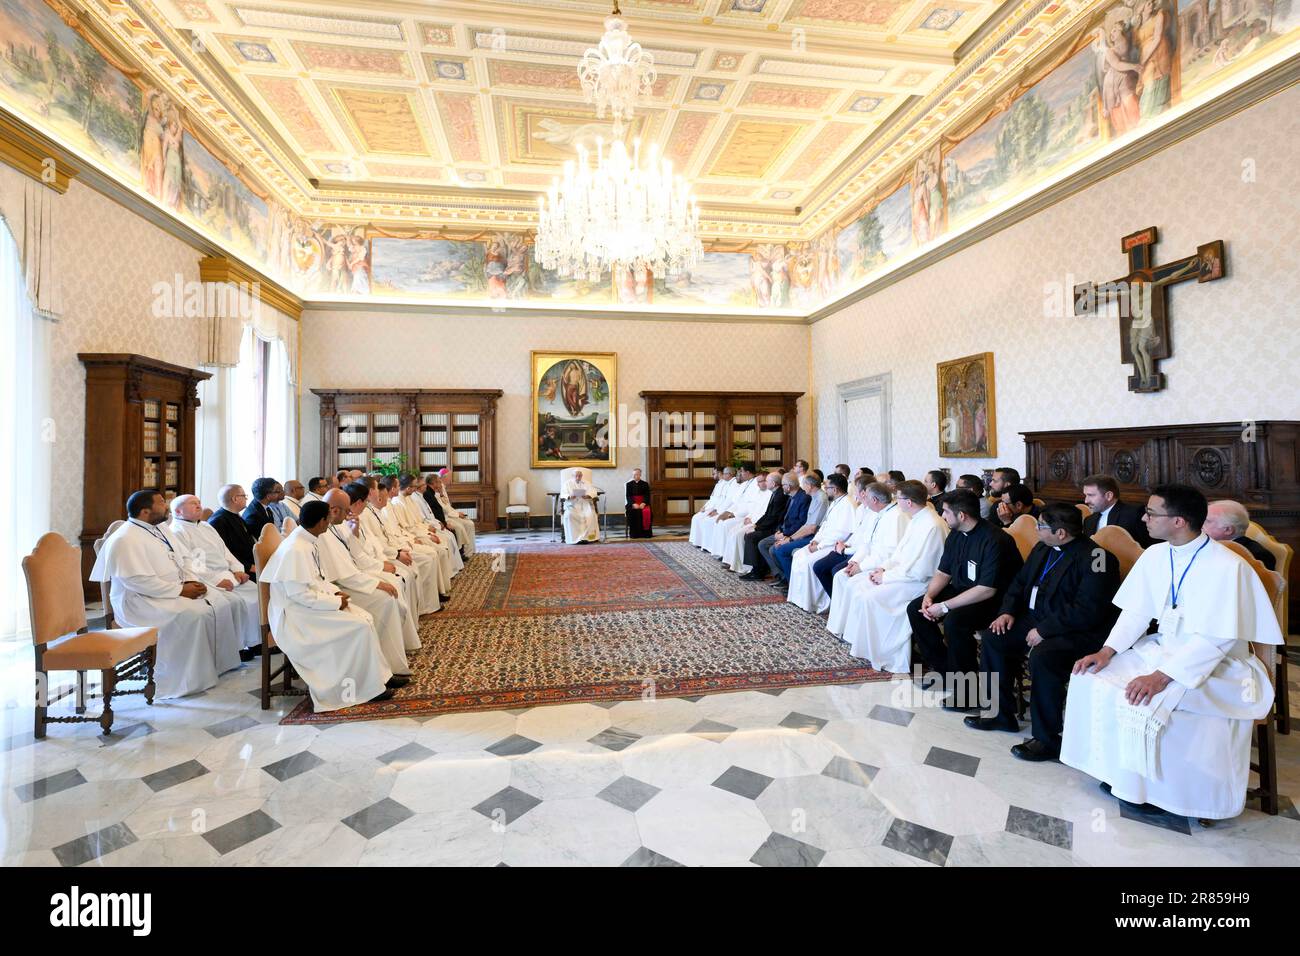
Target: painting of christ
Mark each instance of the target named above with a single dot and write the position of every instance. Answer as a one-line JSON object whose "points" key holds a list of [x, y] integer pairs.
{"points": [[967, 426], [574, 403]]}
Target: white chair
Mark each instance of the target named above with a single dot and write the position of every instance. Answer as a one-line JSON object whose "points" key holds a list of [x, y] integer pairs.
{"points": [[518, 490]]}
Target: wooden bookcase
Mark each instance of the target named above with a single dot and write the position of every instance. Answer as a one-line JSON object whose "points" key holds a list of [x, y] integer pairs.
{"points": [[139, 434], [434, 428], [691, 433]]}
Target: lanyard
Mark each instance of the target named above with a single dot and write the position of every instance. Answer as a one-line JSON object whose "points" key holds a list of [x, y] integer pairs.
{"points": [[155, 532], [1173, 591], [877, 524], [1048, 565]]}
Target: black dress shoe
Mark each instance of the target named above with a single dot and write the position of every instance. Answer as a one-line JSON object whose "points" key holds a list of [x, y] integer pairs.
{"points": [[1035, 751], [961, 708], [751, 576], [386, 695], [1000, 722], [396, 681]]}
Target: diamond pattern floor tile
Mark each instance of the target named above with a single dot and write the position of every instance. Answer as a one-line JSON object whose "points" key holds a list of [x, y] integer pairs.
{"points": [[742, 782], [507, 805], [780, 850], [628, 793], [378, 817]]}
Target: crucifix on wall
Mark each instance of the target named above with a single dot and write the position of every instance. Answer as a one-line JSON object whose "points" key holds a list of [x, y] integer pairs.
{"points": [[1142, 299]]}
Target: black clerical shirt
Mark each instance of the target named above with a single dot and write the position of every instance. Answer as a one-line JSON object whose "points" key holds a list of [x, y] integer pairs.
{"points": [[982, 556]]}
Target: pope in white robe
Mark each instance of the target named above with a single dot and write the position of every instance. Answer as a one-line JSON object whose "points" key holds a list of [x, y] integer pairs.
{"points": [[873, 619], [461, 526], [742, 501], [579, 496], [805, 590], [331, 643], [208, 560], [1186, 749], [723, 491], [733, 545], [148, 580]]}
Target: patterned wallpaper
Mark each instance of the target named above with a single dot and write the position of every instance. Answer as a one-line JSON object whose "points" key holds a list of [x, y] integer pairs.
{"points": [[352, 349], [108, 260], [1235, 341]]}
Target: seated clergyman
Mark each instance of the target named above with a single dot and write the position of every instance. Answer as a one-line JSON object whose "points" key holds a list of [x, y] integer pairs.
{"points": [[804, 589], [733, 545], [1165, 719], [1228, 520], [578, 497], [1057, 609], [331, 643], [211, 562], [723, 487], [749, 488]]}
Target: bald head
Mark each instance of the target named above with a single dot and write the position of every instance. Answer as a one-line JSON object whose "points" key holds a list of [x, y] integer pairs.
{"points": [[339, 504], [231, 497], [187, 507]]}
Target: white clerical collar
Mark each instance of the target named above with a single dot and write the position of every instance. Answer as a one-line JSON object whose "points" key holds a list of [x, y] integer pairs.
{"points": [[1190, 545]]}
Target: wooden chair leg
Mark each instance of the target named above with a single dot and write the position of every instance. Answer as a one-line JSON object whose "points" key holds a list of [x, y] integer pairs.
{"points": [[81, 692], [109, 677], [1283, 695], [42, 699], [150, 660], [266, 677], [1267, 743]]}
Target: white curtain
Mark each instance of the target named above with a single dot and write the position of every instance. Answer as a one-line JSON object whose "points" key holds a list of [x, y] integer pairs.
{"points": [[279, 442], [27, 434]]}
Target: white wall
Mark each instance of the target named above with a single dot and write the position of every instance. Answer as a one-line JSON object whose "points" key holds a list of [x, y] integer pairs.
{"points": [[408, 350], [108, 260], [1236, 341]]}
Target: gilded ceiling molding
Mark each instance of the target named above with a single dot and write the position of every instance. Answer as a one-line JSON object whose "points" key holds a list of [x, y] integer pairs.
{"points": [[33, 154], [225, 269]]}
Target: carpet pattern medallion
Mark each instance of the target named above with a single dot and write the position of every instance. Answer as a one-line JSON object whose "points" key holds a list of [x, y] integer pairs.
{"points": [[549, 625]]}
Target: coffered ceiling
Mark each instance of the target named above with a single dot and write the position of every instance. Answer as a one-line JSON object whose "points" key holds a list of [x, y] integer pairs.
{"points": [[416, 109]]}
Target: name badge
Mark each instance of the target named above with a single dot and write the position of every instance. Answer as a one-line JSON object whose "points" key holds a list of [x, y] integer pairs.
{"points": [[970, 570], [1033, 597], [1170, 621]]}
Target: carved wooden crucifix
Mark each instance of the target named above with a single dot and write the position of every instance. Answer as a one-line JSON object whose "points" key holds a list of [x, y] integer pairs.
{"points": [[1142, 296]]}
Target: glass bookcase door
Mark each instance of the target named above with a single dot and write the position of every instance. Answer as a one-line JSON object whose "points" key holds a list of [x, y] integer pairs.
{"points": [[771, 440], [744, 438], [465, 437], [386, 440], [435, 441], [354, 440]]}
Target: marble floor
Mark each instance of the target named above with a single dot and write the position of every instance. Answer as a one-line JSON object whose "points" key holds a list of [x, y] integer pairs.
{"points": [[870, 774]]}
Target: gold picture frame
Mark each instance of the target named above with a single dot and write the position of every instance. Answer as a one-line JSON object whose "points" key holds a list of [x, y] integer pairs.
{"points": [[967, 407], [575, 401]]}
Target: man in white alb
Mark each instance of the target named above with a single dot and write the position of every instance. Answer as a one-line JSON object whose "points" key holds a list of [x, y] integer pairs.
{"points": [[151, 587], [578, 498], [461, 525], [367, 552], [749, 488], [402, 499], [331, 643], [380, 599], [874, 620], [1165, 719], [880, 526], [395, 548], [733, 544], [723, 488], [212, 563], [835, 527]]}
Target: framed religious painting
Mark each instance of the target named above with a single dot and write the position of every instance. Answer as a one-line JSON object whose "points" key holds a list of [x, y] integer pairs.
{"points": [[575, 396], [967, 412]]}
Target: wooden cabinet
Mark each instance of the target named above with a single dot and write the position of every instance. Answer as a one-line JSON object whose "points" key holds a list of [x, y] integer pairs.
{"points": [[433, 428], [691, 433], [139, 435], [1255, 462]]}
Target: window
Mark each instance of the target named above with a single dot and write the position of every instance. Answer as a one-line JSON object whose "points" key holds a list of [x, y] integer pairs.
{"points": [[27, 434]]}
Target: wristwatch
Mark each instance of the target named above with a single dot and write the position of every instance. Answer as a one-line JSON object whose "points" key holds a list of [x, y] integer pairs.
{"points": [[943, 606]]}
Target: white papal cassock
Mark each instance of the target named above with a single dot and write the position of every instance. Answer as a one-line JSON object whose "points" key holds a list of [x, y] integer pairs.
{"points": [[733, 544], [336, 652], [211, 562], [1187, 750], [146, 572], [385, 610], [371, 561], [461, 526], [805, 590], [722, 492], [715, 532], [874, 621], [423, 568], [420, 546], [872, 543], [580, 520]]}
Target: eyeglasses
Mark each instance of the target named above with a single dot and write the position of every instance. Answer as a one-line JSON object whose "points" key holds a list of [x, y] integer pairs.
{"points": [[1156, 514], [1044, 527]]}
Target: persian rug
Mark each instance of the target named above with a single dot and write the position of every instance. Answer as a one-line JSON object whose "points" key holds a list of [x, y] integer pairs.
{"points": [[542, 624]]}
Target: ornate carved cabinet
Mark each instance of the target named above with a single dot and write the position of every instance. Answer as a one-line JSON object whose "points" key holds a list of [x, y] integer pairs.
{"points": [[433, 428], [1254, 462], [693, 432], [139, 434]]}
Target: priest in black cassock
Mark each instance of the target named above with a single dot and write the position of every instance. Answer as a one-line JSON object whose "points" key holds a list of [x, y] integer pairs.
{"points": [[638, 506]]}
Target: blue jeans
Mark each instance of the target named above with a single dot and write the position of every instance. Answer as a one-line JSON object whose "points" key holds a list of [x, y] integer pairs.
{"points": [[783, 556], [825, 568]]}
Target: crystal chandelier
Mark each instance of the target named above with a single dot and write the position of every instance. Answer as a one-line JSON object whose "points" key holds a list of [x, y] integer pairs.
{"points": [[617, 72], [608, 209], [615, 211]]}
